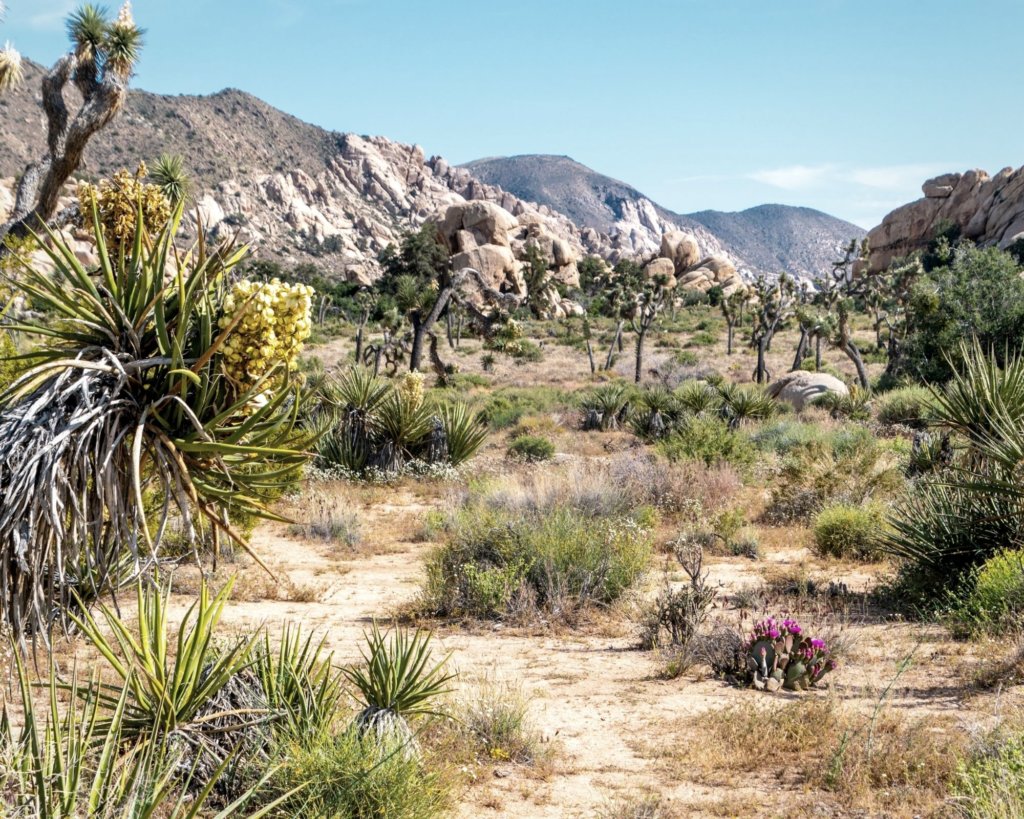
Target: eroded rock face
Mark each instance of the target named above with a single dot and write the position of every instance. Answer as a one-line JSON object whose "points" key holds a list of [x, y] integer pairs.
{"points": [[988, 210], [801, 388]]}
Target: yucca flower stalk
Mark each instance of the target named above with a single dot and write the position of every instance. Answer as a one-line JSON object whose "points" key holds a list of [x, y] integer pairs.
{"points": [[126, 400]]}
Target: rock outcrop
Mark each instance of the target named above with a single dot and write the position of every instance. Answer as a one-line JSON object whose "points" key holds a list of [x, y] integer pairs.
{"points": [[987, 210], [801, 388], [680, 252]]}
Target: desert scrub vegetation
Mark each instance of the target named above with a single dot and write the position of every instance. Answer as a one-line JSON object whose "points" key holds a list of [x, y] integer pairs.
{"points": [[520, 548], [989, 783], [494, 717]]}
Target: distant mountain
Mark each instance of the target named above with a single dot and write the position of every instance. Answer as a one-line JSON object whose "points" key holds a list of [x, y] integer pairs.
{"points": [[767, 238]]}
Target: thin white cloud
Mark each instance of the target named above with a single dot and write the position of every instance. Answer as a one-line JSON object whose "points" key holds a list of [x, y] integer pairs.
{"points": [[794, 177], [48, 15], [895, 177]]}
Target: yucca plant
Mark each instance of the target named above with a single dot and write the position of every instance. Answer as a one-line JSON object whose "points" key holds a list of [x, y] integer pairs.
{"points": [[73, 760], [464, 430], [747, 403], [169, 175], [698, 397], [127, 397], [174, 686], [606, 407], [303, 688], [397, 682]]}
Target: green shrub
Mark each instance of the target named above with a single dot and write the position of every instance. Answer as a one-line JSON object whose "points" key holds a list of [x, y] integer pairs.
{"points": [[702, 339], [848, 468], [710, 440], [907, 406], [498, 562], [994, 599], [531, 449], [848, 531], [990, 784], [686, 358], [350, 776], [854, 406]]}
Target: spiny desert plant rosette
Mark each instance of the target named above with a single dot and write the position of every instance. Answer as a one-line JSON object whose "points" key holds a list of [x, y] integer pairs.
{"points": [[127, 399]]}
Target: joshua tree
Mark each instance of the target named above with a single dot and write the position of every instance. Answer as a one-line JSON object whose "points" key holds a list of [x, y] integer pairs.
{"points": [[99, 67], [732, 310], [774, 303], [539, 280], [641, 298], [418, 275]]}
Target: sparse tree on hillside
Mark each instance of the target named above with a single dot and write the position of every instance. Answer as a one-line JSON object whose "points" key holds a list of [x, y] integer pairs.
{"points": [[99, 67], [539, 280]]}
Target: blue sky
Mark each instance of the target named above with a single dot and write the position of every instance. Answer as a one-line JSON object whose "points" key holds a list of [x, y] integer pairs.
{"points": [[842, 105]]}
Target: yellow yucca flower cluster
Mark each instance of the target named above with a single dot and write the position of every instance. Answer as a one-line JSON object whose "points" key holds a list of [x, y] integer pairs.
{"points": [[117, 200], [410, 390], [273, 325]]}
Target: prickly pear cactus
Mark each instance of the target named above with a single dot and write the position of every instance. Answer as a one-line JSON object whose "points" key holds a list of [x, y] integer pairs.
{"points": [[780, 655]]}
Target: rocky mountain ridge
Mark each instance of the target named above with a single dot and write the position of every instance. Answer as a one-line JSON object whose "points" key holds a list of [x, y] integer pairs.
{"points": [[767, 238], [987, 209]]}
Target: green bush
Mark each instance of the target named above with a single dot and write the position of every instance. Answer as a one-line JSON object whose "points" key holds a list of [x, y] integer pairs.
{"points": [[710, 440], [907, 406], [531, 449], [500, 562], [350, 776], [994, 599], [990, 784], [848, 531]]}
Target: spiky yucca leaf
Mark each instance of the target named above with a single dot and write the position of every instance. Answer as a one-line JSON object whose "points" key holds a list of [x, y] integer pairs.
{"points": [[87, 29], [126, 397]]}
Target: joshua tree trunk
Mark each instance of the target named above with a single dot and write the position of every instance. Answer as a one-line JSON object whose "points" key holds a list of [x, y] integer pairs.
{"points": [[616, 342], [761, 374], [421, 325], [590, 356], [730, 330], [448, 329], [801, 350], [858, 362], [40, 186], [640, 335]]}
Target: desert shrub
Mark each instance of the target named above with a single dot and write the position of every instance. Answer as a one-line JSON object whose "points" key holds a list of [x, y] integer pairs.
{"points": [[849, 470], [710, 440], [686, 358], [328, 519], [702, 339], [561, 560], [506, 407], [989, 784], [531, 449], [9, 368], [906, 406], [687, 487], [993, 600], [353, 776], [848, 531], [675, 616], [654, 412]]}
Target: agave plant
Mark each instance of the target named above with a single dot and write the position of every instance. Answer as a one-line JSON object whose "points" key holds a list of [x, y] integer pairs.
{"points": [[397, 682], [126, 398]]}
